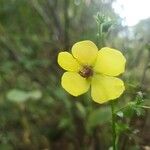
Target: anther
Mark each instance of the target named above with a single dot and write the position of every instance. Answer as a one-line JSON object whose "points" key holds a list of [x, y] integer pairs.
{"points": [[86, 72]]}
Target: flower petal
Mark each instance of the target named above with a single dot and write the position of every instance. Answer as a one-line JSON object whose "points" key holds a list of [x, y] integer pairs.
{"points": [[105, 88], [110, 62], [67, 62], [74, 84], [85, 52]]}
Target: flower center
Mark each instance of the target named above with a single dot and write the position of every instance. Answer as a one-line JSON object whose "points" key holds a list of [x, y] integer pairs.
{"points": [[86, 72]]}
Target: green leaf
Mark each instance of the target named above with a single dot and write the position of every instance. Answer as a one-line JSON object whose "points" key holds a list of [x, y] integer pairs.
{"points": [[139, 98], [99, 117], [37, 94], [135, 107], [139, 111], [65, 123], [121, 127], [81, 109], [120, 114], [16, 95], [19, 96], [6, 147], [107, 25]]}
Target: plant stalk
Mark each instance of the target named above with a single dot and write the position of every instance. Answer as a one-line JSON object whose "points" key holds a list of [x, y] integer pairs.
{"points": [[100, 36], [114, 143]]}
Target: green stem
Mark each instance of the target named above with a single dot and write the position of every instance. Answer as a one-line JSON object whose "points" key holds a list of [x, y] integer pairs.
{"points": [[122, 108], [113, 127], [100, 36], [66, 24], [146, 107]]}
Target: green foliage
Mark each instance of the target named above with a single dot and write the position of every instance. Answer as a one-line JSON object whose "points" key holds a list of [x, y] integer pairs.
{"points": [[121, 128], [133, 107], [81, 109], [36, 113], [5, 147], [98, 117], [16, 95]]}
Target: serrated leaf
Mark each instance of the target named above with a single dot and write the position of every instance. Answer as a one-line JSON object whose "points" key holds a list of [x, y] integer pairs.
{"points": [[139, 111]]}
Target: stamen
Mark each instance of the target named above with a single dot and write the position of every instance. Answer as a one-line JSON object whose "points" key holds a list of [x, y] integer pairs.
{"points": [[86, 72]]}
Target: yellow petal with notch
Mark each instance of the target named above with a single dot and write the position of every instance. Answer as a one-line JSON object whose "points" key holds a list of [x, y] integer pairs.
{"points": [[105, 88], [67, 62], [74, 84], [85, 52], [110, 62]]}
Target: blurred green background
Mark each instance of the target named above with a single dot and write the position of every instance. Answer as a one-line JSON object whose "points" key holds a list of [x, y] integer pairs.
{"points": [[35, 112]]}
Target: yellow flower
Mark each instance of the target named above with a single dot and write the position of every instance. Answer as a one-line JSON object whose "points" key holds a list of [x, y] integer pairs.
{"points": [[87, 67]]}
